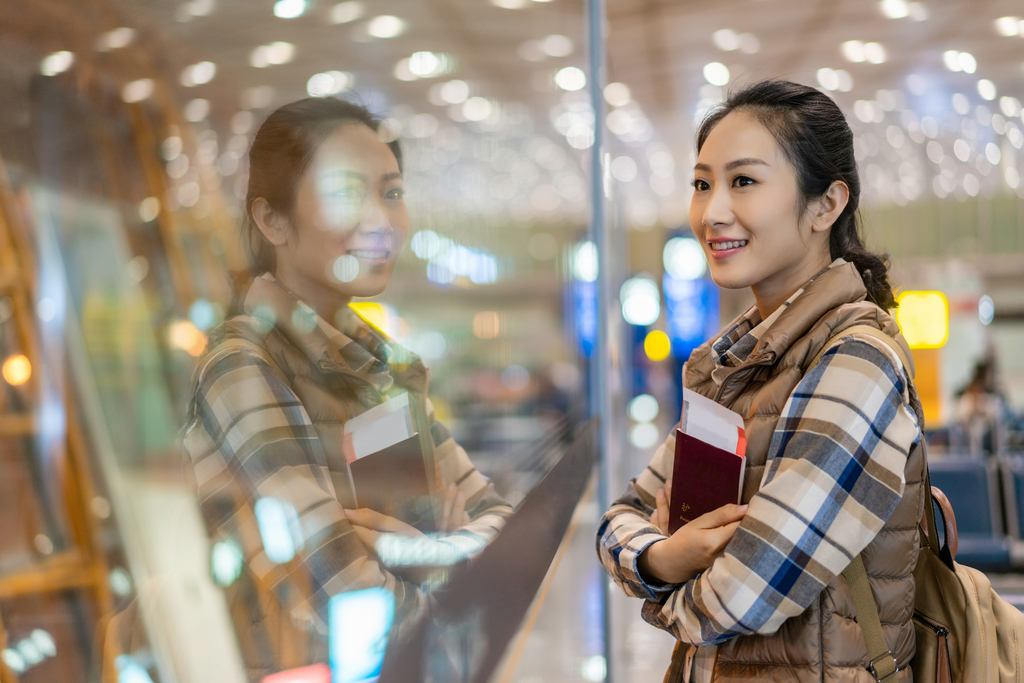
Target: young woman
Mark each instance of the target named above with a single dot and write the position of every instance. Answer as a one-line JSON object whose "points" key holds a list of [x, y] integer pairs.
{"points": [[326, 219], [834, 469]]}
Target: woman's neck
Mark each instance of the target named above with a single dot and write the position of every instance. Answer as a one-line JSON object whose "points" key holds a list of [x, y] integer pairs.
{"points": [[774, 291], [325, 300]]}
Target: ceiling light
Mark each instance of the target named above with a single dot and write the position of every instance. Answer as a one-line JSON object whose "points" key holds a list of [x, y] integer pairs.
{"points": [[967, 62], [918, 11], [509, 4], [641, 301], [385, 26], [455, 92], [951, 58], [987, 89], [57, 63], [199, 8], [716, 73], [116, 39], [136, 91], [197, 110], [617, 94], [476, 109], [344, 12], [1010, 106], [198, 74], [726, 39], [556, 46], [874, 53], [828, 79], [289, 9], [327, 83], [961, 105], [894, 9], [1008, 26], [570, 78], [853, 51]]}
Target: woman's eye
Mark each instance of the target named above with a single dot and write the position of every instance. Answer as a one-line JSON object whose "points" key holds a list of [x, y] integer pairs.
{"points": [[700, 185], [395, 194], [743, 181]]}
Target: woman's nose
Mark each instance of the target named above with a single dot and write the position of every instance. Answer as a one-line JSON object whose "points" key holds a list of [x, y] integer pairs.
{"points": [[718, 210], [374, 215]]}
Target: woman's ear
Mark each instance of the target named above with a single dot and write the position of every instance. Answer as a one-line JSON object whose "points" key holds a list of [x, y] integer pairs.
{"points": [[827, 210], [272, 225]]}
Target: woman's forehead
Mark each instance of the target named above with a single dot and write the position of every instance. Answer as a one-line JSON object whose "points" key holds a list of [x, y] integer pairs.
{"points": [[740, 134], [356, 146]]}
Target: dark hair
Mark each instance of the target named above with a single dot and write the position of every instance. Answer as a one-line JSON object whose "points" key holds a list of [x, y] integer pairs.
{"points": [[818, 142], [281, 152]]}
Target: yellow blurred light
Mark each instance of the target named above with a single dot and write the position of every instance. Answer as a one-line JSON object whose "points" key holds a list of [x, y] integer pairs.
{"points": [[657, 345], [183, 335], [923, 318], [381, 316], [486, 325], [17, 369]]}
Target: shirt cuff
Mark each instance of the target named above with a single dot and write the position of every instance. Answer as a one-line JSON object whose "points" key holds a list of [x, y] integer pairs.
{"points": [[632, 556]]}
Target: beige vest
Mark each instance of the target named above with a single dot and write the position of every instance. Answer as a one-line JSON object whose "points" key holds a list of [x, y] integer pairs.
{"points": [[824, 643]]}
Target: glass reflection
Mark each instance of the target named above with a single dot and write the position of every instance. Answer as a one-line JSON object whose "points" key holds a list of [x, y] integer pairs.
{"points": [[331, 492]]}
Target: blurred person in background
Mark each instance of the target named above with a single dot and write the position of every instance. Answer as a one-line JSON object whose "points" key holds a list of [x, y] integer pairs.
{"points": [[982, 409], [833, 456], [326, 220]]}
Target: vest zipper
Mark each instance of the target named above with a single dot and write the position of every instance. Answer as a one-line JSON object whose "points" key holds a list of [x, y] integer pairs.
{"points": [[728, 380], [938, 628]]}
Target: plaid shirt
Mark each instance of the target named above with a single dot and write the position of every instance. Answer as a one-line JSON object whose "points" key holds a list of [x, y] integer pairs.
{"points": [[849, 414], [249, 437]]}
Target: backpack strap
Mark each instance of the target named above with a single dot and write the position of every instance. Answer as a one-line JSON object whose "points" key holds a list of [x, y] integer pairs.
{"points": [[869, 331], [882, 664]]}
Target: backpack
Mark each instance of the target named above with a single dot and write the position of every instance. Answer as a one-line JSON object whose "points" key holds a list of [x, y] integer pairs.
{"points": [[965, 632]]}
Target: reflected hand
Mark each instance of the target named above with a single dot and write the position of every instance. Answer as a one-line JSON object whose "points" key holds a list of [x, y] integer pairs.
{"points": [[370, 524], [693, 547], [454, 514]]}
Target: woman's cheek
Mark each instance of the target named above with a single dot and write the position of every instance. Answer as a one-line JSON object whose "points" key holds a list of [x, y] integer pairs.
{"points": [[339, 215]]}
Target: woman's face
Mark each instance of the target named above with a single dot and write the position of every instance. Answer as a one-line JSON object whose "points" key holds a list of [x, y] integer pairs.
{"points": [[747, 212], [350, 218]]}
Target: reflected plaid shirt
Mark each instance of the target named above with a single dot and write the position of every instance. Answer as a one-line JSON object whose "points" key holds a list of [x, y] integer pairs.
{"points": [[249, 436], [833, 476]]}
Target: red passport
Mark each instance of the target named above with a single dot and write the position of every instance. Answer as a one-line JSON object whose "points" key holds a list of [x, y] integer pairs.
{"points": [[704, 478]]}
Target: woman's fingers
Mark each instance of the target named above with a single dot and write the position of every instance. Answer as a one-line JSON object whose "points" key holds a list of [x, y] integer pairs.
{"points": [[368, 537], [372, 519], [662, 500], [724, 534], [458, 511], [727, 514]]}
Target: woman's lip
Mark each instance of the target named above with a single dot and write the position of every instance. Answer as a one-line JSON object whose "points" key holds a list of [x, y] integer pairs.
{"points": [[726, 253]]}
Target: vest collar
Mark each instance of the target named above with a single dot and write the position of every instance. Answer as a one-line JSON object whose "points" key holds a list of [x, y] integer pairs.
{"points": [[840, 284], [363, 350]]}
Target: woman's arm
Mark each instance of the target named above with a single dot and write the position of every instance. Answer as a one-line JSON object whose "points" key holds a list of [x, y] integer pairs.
{"points": [[834, 476], [249, 438]]}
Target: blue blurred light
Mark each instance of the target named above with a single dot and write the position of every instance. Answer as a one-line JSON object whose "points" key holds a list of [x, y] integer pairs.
{"points": [[359, 622]]}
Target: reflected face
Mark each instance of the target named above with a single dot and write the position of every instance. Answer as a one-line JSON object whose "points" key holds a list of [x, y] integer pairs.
{"points": [[350, 218], [746, 209]]}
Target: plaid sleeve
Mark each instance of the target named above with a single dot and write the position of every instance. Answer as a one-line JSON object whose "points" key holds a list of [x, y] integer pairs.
{"points": [[249, 439], [487, 510], [626, 531], [834, 475]]}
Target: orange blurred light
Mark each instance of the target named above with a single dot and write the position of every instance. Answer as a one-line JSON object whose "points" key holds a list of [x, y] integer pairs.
{"points": [[486, 325], [923, 318], [17, 369], [187, 337]]}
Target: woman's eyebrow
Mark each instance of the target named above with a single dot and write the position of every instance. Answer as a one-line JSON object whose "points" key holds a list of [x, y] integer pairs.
{"points": [[391, 176], [748, 161]]}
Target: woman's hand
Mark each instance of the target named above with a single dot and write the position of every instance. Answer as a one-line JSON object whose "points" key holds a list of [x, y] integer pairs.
{"points": [[370, 524], [692, 548]]}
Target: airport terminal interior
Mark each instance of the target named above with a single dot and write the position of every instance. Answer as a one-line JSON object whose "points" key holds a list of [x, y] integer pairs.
{"points": [[550, 286]]}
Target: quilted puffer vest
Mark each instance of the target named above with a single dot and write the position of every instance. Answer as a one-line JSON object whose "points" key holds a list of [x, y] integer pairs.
{"points": [[824, 643]]}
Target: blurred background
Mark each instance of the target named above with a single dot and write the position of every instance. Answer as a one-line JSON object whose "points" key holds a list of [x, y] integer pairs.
{"points": [[536, 302]]}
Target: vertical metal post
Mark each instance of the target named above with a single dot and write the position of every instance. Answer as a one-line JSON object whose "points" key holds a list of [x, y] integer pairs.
{"points": [[600, 365]]}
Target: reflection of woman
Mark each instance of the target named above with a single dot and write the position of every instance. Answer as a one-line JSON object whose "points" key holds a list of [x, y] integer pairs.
{"points": [[833, 463], [326, 221]]}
